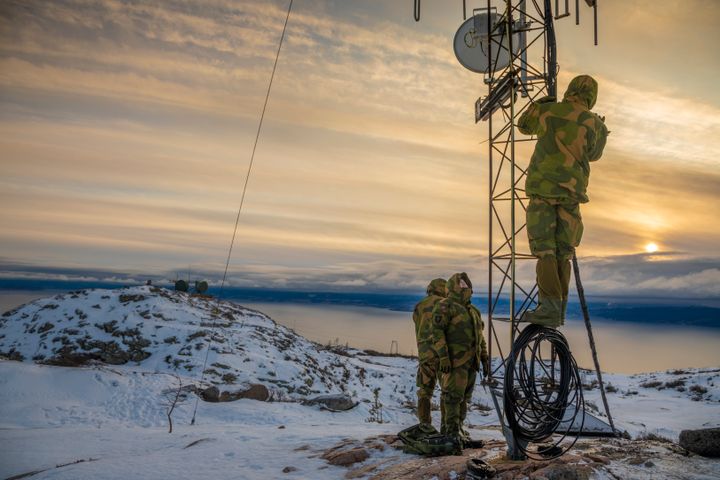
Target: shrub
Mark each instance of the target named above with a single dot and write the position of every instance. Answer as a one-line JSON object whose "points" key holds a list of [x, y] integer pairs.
{"points": [[651, 384], [675, 383], [699, 389]]}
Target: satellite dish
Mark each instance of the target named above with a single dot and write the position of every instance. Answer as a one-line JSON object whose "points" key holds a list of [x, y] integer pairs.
{"points": [[472, 43]]}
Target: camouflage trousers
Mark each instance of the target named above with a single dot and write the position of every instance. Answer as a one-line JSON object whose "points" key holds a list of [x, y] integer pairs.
{"points": [[554, 227], [427, 377], [457, 387]]}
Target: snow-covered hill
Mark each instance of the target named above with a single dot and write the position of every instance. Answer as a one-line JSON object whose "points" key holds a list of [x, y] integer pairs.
{"points": [[135, 345], [163, 331]]}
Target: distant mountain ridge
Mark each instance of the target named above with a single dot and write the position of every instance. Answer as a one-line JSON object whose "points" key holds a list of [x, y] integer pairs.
{"points": [[644, 311]]}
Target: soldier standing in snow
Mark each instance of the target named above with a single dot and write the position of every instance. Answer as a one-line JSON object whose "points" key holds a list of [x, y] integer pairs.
{"points": [[569, 137], [428, 361], [458, 336]]}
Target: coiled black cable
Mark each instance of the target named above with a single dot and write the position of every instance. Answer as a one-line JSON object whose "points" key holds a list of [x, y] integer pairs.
{"points": [[541, 382]]}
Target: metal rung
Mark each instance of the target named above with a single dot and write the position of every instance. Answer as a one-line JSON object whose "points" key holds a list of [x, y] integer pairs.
{"points": [[506, 319]]}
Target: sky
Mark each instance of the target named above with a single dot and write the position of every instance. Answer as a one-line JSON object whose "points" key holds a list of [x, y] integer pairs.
{"points": [[126, 130]]}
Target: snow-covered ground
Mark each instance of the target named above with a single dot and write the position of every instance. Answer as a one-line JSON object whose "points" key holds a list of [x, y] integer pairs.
{"points": [[112, 418], [55, 415]]}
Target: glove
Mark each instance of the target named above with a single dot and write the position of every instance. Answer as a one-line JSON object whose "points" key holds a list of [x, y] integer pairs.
{"points": [[485, 361], [548, 99], [445, 365]]}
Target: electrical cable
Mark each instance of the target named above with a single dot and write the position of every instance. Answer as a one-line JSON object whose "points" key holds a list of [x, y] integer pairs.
{"points": [[551, 51], [242, 201], [538, 392]]}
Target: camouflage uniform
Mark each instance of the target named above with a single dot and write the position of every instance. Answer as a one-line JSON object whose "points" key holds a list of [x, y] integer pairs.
{"points": [[428, 361], [569, 137], [484, 359], [458, 338], [480, 325]]}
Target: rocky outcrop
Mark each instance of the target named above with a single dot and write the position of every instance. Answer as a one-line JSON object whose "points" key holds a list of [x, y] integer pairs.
{"points": [[252, 392], [348, 452], [256, 391], [705, 442], [346, 457], [210, 394], [334, 403], [81, 351], [622, 458]]}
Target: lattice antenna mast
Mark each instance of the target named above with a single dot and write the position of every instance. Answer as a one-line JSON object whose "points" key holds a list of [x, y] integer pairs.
{"points": [[512, 43]]}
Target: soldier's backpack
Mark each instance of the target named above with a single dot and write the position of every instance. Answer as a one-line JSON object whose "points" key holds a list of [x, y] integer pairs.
{"points": [[423, 439]]}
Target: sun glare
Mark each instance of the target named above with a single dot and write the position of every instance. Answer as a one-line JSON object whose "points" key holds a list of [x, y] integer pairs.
{"points": [[651, 247]]}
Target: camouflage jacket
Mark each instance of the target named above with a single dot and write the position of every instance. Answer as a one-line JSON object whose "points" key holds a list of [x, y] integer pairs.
{"points": [[422, 317], [455, 332], [569, 137]]}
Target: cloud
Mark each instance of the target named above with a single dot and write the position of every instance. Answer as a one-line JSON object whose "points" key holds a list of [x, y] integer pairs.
{"points": [[656, 125], [670, 275], [126, 131]]}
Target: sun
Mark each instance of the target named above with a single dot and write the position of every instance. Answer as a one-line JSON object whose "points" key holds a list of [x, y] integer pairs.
{"points": [[651, 247]]}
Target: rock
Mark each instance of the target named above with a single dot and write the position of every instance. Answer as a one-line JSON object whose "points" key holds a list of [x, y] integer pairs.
{"points": [[13, 354], [125, 298], [334, 402], [564, 472], [255, 391], [598, 458], [705, 442], [649, 464], [364, 471], [211, 394], [424, 468], [45, 327], [113, 354], [289, 469], [344, 458]]}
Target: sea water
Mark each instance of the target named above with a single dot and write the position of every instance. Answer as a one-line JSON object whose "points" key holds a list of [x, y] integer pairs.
{"points": [[623, 347]]}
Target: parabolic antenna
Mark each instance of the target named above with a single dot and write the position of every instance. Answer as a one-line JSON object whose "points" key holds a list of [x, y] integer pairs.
{"points": [[477, 51]]}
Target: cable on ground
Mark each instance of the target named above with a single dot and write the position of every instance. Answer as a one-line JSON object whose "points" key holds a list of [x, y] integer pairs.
{"points": [[541, 383]]}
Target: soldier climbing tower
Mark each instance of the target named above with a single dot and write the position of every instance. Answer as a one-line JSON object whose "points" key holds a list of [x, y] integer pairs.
{"points": [[511, 43]]}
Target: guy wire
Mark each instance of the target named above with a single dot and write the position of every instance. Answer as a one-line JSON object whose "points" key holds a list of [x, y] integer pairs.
{"points": [[242, 201]]}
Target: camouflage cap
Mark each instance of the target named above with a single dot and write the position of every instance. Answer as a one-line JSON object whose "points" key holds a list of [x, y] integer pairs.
{"points": [[582, 89], [437, 287]]}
